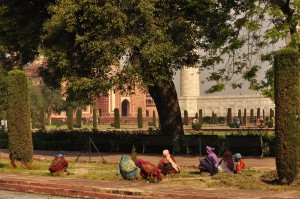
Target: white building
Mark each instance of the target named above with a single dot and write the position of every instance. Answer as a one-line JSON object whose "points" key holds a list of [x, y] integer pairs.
{"points": [[191, 100]]}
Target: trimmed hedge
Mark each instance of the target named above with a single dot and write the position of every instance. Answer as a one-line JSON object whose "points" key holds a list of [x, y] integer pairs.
{"points": [[18, 117], [287, 100], [76, 140]]}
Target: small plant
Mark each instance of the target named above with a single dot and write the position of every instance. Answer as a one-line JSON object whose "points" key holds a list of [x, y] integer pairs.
{"points": [[269, 124], [186, 118], [196, 126], [133, 154]]}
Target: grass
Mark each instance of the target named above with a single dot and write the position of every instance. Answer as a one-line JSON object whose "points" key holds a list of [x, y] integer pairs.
{"points": [[189, 176]]}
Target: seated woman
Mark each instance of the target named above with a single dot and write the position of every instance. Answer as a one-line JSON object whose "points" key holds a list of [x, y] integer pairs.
{"points": [[238, 162], [149, 171], [59, 164], [210, 163], [168, 165], [226, 164], [127, 168]]}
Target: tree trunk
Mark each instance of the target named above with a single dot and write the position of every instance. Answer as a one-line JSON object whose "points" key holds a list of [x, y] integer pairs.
{"points": [[168, 109]]}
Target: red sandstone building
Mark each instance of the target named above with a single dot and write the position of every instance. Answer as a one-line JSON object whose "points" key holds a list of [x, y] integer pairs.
{"points": [[127, 104]]}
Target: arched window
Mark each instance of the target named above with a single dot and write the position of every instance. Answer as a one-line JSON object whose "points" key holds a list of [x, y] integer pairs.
{"points": [[125, 107]]}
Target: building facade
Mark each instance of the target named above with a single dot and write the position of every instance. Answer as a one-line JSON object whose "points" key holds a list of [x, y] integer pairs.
{"points": [[191, 100]]}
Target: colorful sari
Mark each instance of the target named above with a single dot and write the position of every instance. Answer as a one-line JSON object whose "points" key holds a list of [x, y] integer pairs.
{"points": [[227, 163], [59, 164], [149, 171], [127, 168], [166, 167]]}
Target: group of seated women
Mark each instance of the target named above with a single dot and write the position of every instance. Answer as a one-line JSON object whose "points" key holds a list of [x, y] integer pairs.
{"points": [[228, 163], [131, 170]]}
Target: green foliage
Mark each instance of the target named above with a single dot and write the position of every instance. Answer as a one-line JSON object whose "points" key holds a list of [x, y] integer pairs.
{"points": [[185, 118], [133, 154], [153, 118], [196, 115], [3, 93], [18, 116], [70, 118], [42, 118], [245, 117], [269, 124], [196, 126], [221, 120], [251, 116], [79, 118], [287, 99], [94, 119], [240, 115], [200, 116], [140, 118], [116, 118], [271, 114], [258, 113], [21, 27], [229, 116], [207, 120]]}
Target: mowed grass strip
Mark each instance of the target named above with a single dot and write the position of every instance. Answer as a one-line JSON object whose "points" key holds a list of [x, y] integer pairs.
{"points": [[189, 176]]}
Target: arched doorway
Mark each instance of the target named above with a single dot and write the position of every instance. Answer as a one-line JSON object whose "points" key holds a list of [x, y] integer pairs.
{"points": [[125, 107]]}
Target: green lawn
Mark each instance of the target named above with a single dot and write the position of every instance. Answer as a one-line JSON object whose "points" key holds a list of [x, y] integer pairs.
{"points": [[189, 176]]}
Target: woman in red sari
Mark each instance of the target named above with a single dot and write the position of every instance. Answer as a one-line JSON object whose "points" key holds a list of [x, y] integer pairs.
{"points": [[168, 165], [59, 164], [149, 171]]}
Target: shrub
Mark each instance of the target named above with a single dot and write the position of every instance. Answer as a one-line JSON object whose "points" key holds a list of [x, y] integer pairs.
{"points": [[245, 117], [221, 120], [207, 119], [94, 119], [79, 118], [140, 118], [116, 118], [18, 116], [287, 100], [196, 126], [186, 118], [42, 119], [200, 116], [229, 116], [153, 119], [269, 124], [70, 118], [251, 116], [233, 125]]}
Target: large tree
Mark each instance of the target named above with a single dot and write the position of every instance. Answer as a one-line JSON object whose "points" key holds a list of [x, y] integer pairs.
{"points": [[83, 39]]}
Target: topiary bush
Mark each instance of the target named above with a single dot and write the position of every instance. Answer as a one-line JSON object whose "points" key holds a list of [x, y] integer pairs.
{"points": [[229, 116], [287, 100], [95, 119], [79, 118], [18, 119], [185, 118], [116, 118], [140, 118], [70, 118]]}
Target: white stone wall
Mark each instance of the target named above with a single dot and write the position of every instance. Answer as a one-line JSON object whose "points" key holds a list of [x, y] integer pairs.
{"points": [[220, 104]]}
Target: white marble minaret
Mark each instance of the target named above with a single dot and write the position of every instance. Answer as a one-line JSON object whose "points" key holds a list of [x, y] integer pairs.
{"points": [[189, 90]]}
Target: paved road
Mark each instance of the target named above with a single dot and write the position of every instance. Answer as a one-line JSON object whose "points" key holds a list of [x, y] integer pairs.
{"points": [[4, 194]]}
